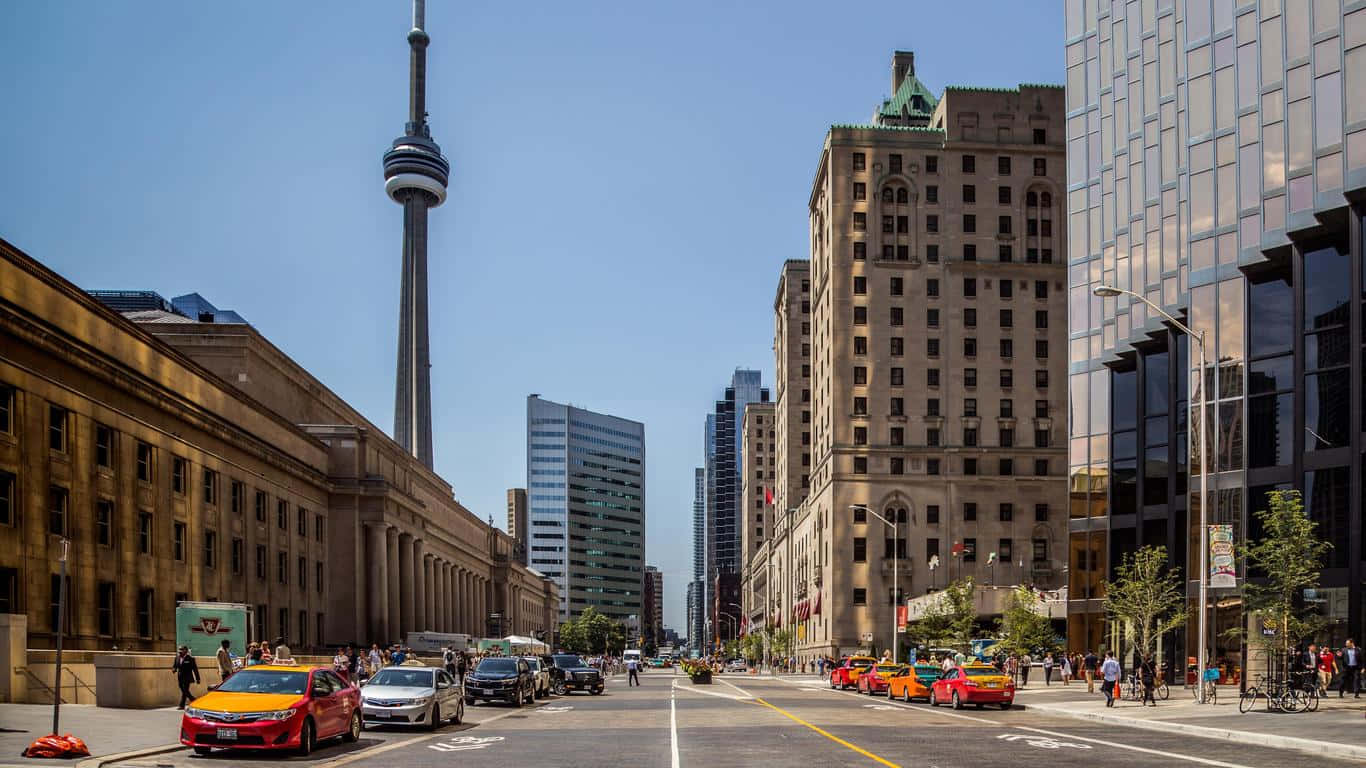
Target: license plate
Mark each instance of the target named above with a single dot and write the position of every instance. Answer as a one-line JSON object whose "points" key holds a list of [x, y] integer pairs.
{"points": [[227, 734], [487, 691], [380, 715], [991, 685]]}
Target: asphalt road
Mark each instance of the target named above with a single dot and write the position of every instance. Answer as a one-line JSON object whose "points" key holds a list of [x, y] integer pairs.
{"points": [[747, 721]]}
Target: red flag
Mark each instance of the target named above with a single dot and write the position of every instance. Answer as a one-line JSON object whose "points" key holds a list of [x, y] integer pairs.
{"points": [[768, 495]]}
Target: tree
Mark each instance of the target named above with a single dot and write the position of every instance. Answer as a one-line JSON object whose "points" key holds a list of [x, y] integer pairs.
{"points": [[1147, 595], [951, 619], [614, 641], [1024, 629], [1288, 559], [752, 647], [780, 641], [592, 632]]}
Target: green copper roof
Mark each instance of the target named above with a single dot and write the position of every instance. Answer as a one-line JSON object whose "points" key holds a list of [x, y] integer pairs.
{"points": [[904, 101]]}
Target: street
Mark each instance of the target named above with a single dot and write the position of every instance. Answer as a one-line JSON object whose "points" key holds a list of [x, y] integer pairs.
{"points": [[744, 721]]}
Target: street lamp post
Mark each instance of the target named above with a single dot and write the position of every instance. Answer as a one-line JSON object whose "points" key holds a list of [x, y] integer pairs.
{"points": [[896, 557], [1106, 291]]}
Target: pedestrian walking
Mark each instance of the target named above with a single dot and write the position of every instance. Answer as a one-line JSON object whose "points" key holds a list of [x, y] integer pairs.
{"points": [[282, 652], [186, 672], [224, 659], [632, 673], [376, 660], [464, 666], [1026, 662], [1350, 657], [1327, 663], [448, 660], [1109, 670], [1089, 666], [1147, 672], [1066, 669], [1048, 669]]}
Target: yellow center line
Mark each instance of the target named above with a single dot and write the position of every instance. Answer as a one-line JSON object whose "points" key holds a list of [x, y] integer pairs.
{"points": [[827, 734]]}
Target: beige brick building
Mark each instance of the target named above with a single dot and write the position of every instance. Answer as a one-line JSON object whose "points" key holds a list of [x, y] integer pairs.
{"points": [[194, 460], [938, 363], [758, 472]]}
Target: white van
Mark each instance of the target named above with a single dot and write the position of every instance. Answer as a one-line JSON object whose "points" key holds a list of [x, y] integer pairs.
{"points": [[630, 655]]}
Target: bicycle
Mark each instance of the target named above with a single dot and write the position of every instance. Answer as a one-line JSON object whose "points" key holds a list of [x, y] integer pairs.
{"points": [[1284, 695], [1208, 682]]}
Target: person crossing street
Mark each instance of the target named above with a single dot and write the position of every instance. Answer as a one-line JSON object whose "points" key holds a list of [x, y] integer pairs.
{"points": [[186, 672], [632, 675]]}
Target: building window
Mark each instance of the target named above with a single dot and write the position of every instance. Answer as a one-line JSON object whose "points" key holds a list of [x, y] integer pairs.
{"points": [[860, 549], [210, 549], [860, 250], [860, 285], [1007, 318], [105, 608], [1003, 550], [860, 191], [932, 254], [969, 437], [860, 465], [970, 406], [1003, 166], [860, 515], [898, 406], [894, 163], [1040, 166], [1041, 292], [261, 562], [1041, 378], [932, 438], [318, 580], [860, 375], [969, 193], [1007, 348], [1041, 438], [1041, 349], [104, 446], [860, 406], [1005, 253], [8, 506], [932, 465], [860, 345], [860, 435], [303, 573], [896, 436], [969, 550], [932, 347], [282, 515], [932, 377], [897, 316], [969, 252], [178, 475], [903, 224], [1003, 195], [898, 465], [931, 164], [970, 467], [932, 287], [1041, 513], [1007, 512], [1006, 467], [969, 222], [57, 499], [932, 223], [898, 346], [178, 541], [860, 315], [145, 533], [144, 459], [969, 286], [1007, 437], [104, 523], [860, 596], [1007, 377], [860, 162], [969, 511], [932, 406], [1040, 136], [969, 163], [1003, 225], [969, 377], [1041, 467], [1007, 408], [146, 598], [236, 555], [210, 486], [932, 317], [970, 347], [932, 515], [895, 286], [302, 516], [56, 428], [860, 221], [6, 409]]}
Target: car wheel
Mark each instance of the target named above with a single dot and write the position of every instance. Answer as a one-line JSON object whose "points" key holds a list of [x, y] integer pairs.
{"points": [[979, 706], [308, 738], [459, 712], [353, 729], [934, 699], [957, 702], [559, 687], [597, 691], [519, 700], [202, 751], [434, 721], [1005, 705]]}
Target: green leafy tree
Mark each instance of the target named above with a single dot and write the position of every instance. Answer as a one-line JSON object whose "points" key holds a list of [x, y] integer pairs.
{"points": [[752, 647], [614, 640], [1024, 629], [1287, 560], [1147, 595], [572, 638], [951, 619], [780, 643]]}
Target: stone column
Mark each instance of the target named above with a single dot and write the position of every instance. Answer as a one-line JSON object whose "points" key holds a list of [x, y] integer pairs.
{"points": [[405, 585], [378, 557], [419, 586], [466, 622], [481, 606], [394, 602], [446, 597], [428, 593]]}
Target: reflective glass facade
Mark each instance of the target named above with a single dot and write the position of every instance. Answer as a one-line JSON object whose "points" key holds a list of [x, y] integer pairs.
{"points": [[1213, 162]]}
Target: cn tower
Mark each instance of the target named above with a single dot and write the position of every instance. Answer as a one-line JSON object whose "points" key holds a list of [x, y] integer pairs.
{"points": [[415, 176]]}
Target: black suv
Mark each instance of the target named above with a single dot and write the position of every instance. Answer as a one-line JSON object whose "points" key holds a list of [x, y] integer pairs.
{"points": [[501, 678], [569, 673]]}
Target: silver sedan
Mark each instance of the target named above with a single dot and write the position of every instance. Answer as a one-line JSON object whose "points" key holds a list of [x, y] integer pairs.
{"points": [[406, 695]]}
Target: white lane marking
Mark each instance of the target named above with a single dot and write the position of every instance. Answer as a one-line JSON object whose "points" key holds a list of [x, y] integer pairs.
{"points": [[366, 754], [743, 693], [878, 706], [702, 692], [1055, 734], [673, 726], [464, 743], [545, 709], [1042, 742]]}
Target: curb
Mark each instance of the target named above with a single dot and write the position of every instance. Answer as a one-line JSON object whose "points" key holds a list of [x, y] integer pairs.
{"points": [[1325, 748], [100, 761]]}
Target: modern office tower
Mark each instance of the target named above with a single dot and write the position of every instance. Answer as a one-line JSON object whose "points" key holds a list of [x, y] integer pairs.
{"points": [[586, 495], [936, 290], [697, 587], [723, 458], [758, 474], [415, 176], [1215, 151], [517, 522]]}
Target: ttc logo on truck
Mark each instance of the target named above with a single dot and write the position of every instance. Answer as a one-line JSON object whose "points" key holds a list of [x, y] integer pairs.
{"points": [[210, 625]]}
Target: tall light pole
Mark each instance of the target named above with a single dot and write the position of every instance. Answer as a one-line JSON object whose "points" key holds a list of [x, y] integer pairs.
{"points": [[896, 557], [1106, 291]]}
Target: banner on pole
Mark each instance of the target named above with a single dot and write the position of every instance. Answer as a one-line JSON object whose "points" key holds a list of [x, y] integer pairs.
{"points": [[1222, 567]]}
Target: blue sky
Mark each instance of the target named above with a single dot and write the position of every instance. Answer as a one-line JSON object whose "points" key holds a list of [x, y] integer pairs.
{"points": [[627, 178]]}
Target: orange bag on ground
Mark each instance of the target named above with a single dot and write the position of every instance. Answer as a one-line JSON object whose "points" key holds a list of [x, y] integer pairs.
{"points": [[57, 746]]}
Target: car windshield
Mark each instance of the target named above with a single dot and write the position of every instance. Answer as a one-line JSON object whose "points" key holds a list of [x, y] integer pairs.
{"points": [[408, 678], [568, 660], [535, 664], [497, 666], [981, 672], [262, 681]]}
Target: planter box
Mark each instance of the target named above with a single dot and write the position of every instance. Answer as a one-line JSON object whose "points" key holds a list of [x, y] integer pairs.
{"points": [[701, 678]]}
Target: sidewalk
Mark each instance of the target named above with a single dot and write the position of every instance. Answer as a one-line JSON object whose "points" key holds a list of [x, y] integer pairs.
{"points": [[106, 731], [1335, 730]]}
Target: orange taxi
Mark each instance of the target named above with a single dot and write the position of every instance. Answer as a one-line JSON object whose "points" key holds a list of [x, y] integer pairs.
{"points": [[850, 667], [913, 682], [977, 684]]}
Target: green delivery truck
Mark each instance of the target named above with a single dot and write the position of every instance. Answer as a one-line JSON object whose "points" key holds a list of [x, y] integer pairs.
{"points": [[204, 626]]}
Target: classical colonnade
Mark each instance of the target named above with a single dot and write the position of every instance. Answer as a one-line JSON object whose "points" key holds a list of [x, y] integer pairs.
{"points": [[412, 590]]}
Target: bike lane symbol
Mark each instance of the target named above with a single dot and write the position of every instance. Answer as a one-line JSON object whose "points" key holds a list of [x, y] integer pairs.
{"points": [[465, 743], [1042, 742]]}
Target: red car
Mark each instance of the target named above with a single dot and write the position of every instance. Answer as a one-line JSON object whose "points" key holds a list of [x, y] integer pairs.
{"points": [[874, 680], [973, 684], [276, 706], [846, 674]]}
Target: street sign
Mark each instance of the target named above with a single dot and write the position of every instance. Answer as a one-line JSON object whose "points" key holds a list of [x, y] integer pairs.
{"points": [[866, 637]]}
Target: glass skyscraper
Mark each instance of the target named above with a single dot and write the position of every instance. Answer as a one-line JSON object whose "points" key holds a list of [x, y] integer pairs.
{"points": [[586, 497], [1216, 167]]}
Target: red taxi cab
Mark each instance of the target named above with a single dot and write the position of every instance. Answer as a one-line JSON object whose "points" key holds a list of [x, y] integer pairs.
{"points": [[874, 679], [850, 667], [973, 684], [273, 707]]}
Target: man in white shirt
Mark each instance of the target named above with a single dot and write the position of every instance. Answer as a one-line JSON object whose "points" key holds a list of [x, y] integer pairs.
{"points": [[1109, 670]]}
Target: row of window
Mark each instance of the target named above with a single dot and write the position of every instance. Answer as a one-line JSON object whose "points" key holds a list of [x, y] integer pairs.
{"points": [[968, 163], [896, 317], [1004, 224], [1005, 437], [898, 515], [1004, 196], [896, 465], [1005, 252]]}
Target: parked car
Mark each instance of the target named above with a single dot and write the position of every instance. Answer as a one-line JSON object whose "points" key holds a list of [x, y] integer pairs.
{"points": [[846, 674], [874, 679], [913, 682], [542, 675], [572, 674], [736, 665], [412, 696], [973, 684], [500, 678], [274, 706]]}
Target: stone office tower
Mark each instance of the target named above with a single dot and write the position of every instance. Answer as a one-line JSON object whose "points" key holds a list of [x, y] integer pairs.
{"points": [[415, 176]]}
